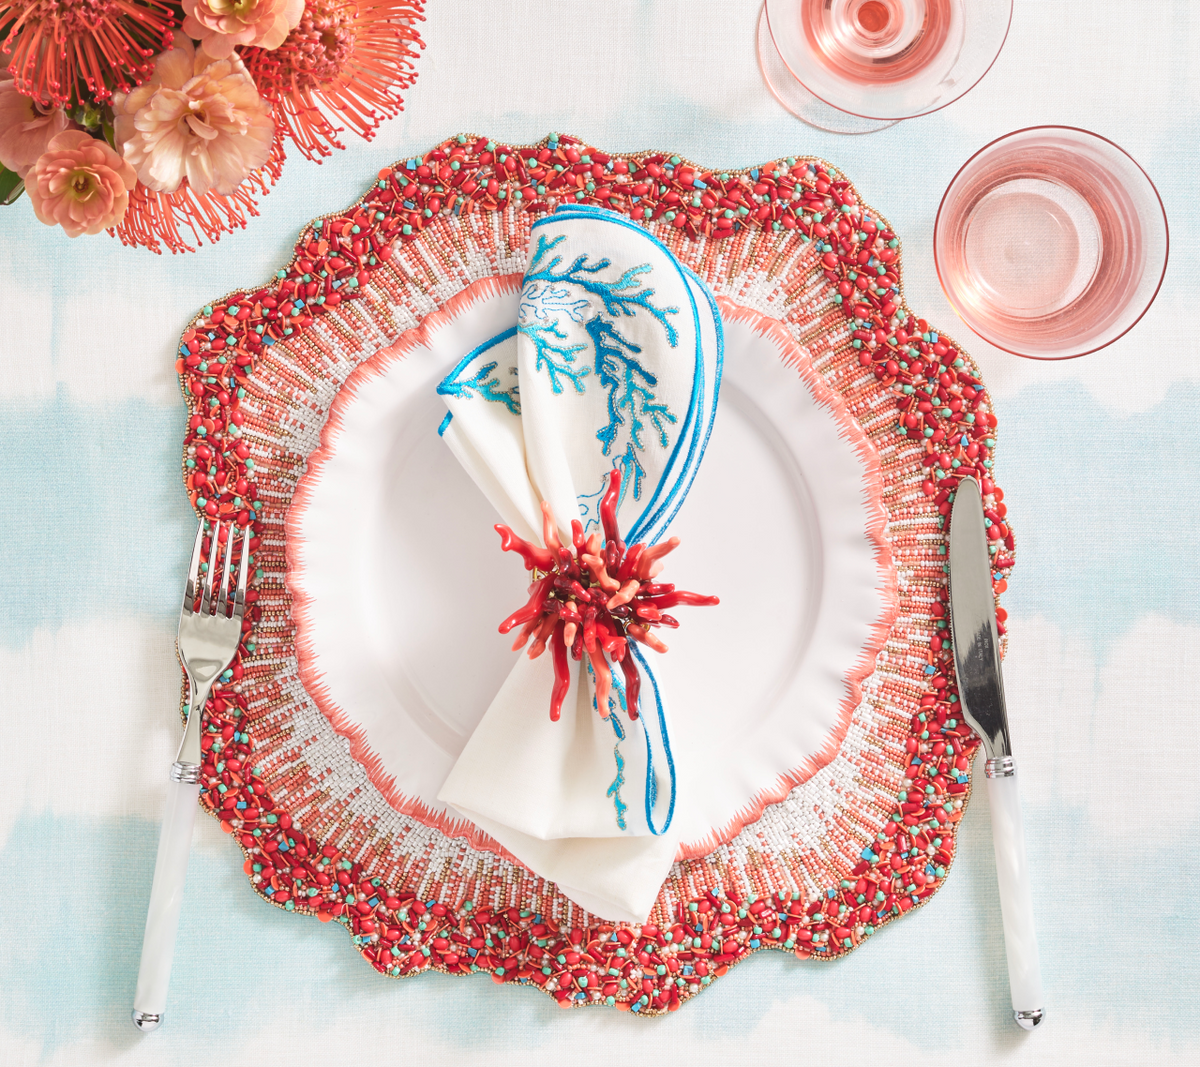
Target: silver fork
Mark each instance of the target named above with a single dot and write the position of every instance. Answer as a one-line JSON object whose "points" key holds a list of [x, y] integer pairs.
{"points": [[207, 641]]}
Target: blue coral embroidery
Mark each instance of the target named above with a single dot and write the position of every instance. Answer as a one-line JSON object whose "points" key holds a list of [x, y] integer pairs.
{"points": [[614, 790], [483, 382], [589, 503], [543, 301], [634, 410], [630, 390], [621, 297], [558, 359]]}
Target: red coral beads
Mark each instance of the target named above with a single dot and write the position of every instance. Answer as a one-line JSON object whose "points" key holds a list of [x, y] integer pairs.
{"points": [[592, 601]]}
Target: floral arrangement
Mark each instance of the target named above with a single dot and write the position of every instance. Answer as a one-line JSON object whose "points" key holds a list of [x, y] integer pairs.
{"points": [[152, 119]]}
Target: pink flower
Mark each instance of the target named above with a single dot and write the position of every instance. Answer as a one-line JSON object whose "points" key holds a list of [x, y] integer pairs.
{"points": [[80, 184], [197, 118], [26, 128], [220, 25]]}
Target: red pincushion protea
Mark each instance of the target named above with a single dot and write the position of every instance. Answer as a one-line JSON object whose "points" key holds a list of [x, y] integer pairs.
{"points": [[62, 51], [594, 601], [154, 219], [345, 62]]}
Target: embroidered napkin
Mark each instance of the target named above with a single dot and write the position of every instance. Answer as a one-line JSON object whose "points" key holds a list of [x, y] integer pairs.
{"points": [[614, 361]]}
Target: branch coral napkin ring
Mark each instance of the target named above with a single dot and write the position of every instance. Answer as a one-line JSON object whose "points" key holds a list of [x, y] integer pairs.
{"points": [[587, 417]]}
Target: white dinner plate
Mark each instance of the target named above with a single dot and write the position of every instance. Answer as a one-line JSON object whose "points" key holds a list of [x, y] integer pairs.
{"points": [[400, 582]]}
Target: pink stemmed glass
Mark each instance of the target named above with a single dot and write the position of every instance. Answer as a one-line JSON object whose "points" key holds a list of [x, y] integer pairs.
{"points": [[856, 66], [1051, 242]]}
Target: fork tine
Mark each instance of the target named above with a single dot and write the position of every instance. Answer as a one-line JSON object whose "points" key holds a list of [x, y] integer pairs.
{"points": [[189, 592], [239, 604], [206, 600], [223, 598]]}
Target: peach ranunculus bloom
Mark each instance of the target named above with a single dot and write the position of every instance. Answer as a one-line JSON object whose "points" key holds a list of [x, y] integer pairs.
{"points": [[26, 128], [197, 118], [80, 184], [221, 25]]}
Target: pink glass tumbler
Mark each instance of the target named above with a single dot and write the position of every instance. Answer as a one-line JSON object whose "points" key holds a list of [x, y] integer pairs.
{"points": [[1051, 242]]}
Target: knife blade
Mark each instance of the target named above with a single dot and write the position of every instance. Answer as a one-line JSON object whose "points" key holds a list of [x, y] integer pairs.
{"points": [[981, 693]]}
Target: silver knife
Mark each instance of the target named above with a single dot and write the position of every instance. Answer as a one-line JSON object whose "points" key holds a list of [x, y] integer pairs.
{"points": [[981, 691]]}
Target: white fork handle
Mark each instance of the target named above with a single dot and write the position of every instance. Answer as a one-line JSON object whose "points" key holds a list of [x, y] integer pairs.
{"points": [[166, 896], [1016, 901]]}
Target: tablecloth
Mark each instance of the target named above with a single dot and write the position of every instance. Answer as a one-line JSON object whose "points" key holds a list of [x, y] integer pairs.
{"points": [[1099, 458]]}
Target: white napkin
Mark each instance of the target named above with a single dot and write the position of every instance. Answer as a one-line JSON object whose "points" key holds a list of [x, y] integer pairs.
{"points": [[617, 350]]}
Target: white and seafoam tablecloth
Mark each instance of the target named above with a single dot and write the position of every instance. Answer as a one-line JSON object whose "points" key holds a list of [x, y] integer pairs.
{"points": [[1100, 460]]}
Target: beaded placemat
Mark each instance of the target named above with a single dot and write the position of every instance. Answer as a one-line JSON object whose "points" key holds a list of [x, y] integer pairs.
{"points": [[861, 842]]}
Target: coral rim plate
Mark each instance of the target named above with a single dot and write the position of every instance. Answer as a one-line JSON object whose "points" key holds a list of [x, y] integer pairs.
{"points": [[829, 778], [398, 596]]}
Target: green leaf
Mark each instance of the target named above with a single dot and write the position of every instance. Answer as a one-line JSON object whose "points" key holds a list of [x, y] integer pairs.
{"points": [[11, 186]]}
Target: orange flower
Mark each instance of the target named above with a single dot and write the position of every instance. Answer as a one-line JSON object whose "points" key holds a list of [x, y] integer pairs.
{"points": [[59, 49], [26, 128], [157, 219], [197, 117], [80, 184], [220, 25], [345, 62], [201, 140]]}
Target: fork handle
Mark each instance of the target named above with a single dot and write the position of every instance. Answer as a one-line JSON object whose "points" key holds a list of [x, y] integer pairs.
{"points": [[166, 896]]}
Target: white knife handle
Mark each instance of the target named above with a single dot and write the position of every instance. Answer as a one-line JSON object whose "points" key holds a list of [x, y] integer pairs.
{"points": [[1016, 900], [166, 896]]}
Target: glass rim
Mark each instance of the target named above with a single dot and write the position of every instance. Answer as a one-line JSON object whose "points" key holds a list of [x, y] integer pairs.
{"points": [[946, 289], [887, 118]]}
